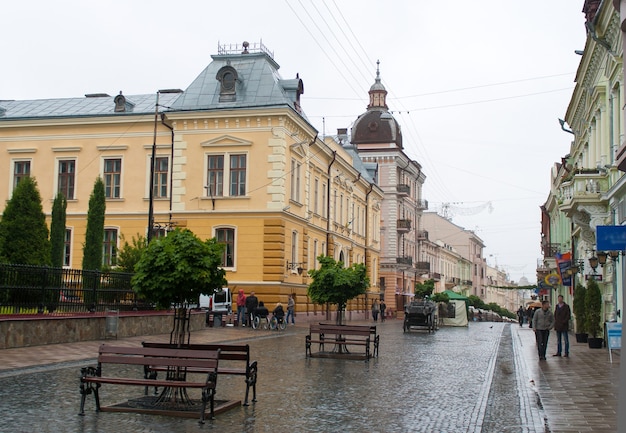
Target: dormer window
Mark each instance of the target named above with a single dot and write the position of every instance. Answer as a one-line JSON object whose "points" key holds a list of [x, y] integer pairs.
{"points": [[227, 76]]}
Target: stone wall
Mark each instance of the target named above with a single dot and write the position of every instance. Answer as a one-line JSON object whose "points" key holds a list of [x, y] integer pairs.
{"points": [[52, 330]]}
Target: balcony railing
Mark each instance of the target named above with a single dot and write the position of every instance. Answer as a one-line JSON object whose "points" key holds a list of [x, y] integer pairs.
{"points": [[550, 250], [422, 266], [585, 185], [408, 261], [403, 225], [421, 204], [403, 189], [422, 234]]}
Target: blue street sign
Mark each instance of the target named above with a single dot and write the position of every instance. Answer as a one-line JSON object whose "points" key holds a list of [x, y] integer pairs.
{"points": [[610, 238]]}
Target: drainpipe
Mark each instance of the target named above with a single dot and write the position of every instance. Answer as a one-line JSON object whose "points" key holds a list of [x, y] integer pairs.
{"points": [[366, 223]]}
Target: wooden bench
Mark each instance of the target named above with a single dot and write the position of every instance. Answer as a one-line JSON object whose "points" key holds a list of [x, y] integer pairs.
{"points": [[176, 361], [234, 359], [342, 336]]}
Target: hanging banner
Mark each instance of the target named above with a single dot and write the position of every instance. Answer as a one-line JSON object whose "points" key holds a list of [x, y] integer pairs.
{"points": [[563, 263]]}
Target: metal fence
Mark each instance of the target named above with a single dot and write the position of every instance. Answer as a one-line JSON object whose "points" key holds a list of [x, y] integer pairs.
{"points": [[44, 290]]}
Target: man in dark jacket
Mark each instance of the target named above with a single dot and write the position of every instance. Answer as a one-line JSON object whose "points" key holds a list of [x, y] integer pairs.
{"points": [[562, 316], [251, 303]]}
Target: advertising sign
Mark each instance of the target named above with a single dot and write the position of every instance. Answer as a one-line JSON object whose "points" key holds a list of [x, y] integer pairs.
{"points": [[610, 238]]}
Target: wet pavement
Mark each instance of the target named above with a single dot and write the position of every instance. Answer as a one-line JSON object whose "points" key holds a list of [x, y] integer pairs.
{"points": [[483, 378]]}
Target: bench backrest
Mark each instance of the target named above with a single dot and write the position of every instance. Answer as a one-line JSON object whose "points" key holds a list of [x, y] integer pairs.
{"points": [[161, 357], [230, 352], [358, 330]]}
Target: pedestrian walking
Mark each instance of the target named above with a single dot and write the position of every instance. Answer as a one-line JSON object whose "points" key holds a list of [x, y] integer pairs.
{"points": [[241, 308], [543, 322], [383, 307], [291, 306], [375, 310], [562, 316], [251, 303], [520, 315], [529, 315]]}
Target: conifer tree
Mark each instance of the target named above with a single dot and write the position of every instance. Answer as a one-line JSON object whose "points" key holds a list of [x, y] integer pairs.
{"points": [[94, 236], [57, 230], [23, 229]]}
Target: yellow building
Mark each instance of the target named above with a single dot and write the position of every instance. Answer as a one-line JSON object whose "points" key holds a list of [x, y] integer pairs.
{"points": [[235, 158]]}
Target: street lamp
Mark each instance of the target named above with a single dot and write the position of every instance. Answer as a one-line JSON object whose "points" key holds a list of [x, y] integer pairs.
{"points": [[153, 162]]}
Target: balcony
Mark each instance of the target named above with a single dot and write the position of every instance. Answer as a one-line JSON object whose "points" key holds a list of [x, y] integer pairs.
{"points": [[408, 261], [403, 226], [422, 234], [584, 187], [421, 204], [403, 189], [466, 283], [550, 250], [422, 267]]}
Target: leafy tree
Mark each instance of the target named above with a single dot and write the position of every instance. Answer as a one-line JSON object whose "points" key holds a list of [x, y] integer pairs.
{"points": [[23, 229], [440, 297], [476, 302], [335, 284], [593, 305], [57, 230], [130, 253], [580, 293], [425, 289], [94, 236], [179, 268]]}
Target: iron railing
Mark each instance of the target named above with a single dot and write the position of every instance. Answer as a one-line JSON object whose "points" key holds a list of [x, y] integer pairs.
{"points": [[40, 289]]}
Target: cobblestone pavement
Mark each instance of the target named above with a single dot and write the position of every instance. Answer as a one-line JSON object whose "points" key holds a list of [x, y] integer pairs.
{"points": [[484, 378]]}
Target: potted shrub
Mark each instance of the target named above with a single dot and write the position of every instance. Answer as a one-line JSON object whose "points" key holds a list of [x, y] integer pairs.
{"points": [[579, 312], [593, 306]]}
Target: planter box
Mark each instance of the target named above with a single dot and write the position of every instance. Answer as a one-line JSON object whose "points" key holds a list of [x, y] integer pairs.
{"points": [[595, 343], [581, 338]]}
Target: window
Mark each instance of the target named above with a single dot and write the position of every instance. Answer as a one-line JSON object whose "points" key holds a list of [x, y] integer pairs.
{"points": [[316, 197], [67, 248], [226, 236], [161, 171], [21, 169], [294, 249], [215, 176], [112, 177], [109, 253], [237, 175], [67, 173], [295, 180], [324, 208]]}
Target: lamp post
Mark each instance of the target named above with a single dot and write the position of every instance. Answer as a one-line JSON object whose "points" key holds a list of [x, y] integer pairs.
{"points": [[153, 162]]}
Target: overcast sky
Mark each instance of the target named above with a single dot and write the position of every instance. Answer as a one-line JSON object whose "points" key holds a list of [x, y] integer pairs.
{"points": [[477, 87]]}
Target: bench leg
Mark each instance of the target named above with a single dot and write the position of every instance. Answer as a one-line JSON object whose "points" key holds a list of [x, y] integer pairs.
{"points": [[251, 376]]}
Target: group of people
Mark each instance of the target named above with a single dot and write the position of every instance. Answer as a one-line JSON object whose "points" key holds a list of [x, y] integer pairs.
{"points": [[543, 320], [250, 306], [378, 308]]}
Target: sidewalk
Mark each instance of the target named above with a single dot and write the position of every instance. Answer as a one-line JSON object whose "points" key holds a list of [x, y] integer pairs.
{"points": [[574, 394]]}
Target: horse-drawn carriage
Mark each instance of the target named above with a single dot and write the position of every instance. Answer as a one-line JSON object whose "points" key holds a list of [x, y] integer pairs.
{"points": [[420, 313]]}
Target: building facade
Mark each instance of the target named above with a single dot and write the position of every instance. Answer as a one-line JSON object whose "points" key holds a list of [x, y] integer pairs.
{"points": [[232, 157], [378, 138], [587, 188]]}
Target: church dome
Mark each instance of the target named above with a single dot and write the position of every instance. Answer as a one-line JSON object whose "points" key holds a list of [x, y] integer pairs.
{"points": [[376, 125]]}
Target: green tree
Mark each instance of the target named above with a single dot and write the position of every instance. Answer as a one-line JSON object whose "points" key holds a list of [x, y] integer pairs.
{"points": [[593, 306], [130, 253], [94, 236], [476, 302], [57, 230], [178, 269], [23, 230], [425, 289], [335, 284]]}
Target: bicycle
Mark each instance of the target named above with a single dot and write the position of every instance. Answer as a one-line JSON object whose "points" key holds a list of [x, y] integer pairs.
{"points": [[278, 323], [260, 322]]}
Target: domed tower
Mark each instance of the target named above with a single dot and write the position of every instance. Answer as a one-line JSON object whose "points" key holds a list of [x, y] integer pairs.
{"points": [[376, 126]]}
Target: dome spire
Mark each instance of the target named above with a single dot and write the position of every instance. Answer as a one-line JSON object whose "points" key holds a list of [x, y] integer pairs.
{"points": [[377, 92]]}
